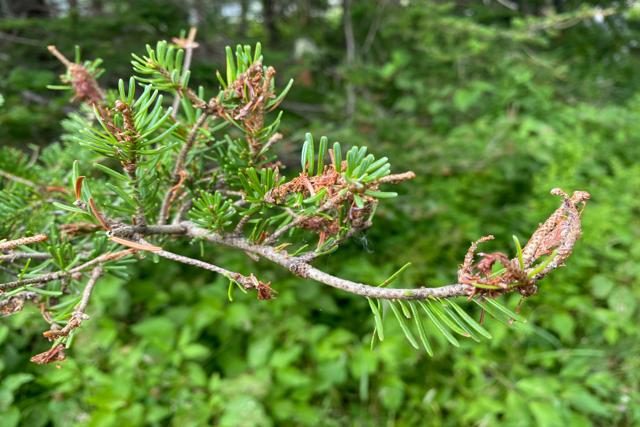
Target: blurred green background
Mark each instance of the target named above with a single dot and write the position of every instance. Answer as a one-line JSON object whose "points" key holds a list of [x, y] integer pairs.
{"points": [[491, 103]]}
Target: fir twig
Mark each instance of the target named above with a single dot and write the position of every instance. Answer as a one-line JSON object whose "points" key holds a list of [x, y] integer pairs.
{"points": [[188, 44], [178, 169], [39, 281], [23, 241], [78, 315]]}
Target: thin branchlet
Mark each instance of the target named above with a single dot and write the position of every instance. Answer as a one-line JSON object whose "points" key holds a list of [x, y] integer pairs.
{"points": [[41, 280], [23, 241], [179, 174], [78, 315], [188, 45], [17, 256]]}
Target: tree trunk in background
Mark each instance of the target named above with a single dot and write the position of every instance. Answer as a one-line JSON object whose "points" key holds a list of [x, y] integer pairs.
{"points": [[29, 9], [197, 12], [73, 12], [305, 12], [244, 10], [350, 56], [559, 5], [5, 12], [269, 16], [97, 7]]}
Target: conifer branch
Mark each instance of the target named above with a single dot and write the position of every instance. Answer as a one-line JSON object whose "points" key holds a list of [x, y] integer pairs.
{"points": [[247, 282], [178, 168], [397, 178], [18, 179], [565, 221], [301, 268], [23, 241], [78, 315], [55, 52], [297, 265], [237, 198], [44, 189], [41, 280], [188, 45], [15, 256]]}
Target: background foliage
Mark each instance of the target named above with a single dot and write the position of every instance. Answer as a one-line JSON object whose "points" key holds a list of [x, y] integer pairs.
{"points": [[492, 104]]}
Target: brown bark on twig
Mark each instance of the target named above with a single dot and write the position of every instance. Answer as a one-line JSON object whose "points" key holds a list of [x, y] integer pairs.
{"points": [[39, 281], [8, 245], [178, 169], [188, 45], [78, 315]]}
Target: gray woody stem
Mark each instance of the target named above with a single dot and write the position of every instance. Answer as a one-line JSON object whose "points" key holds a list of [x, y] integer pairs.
{"points": [[79, 315], [39, 281], [188, 49], [179, 166], [297, 265], [8, 245], [14, 256]]}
